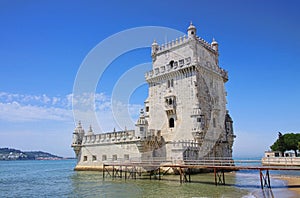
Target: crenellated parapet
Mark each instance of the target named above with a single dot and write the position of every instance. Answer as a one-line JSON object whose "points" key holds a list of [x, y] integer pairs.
{"points": [[111, 137], [215, 69], [207, 45], [183, 40], [172, 44]]}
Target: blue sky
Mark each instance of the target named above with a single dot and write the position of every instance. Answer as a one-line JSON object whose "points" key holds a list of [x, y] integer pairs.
{"points": [[43, 43]]}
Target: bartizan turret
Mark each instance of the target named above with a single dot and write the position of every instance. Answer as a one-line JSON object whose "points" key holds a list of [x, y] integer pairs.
{"points": [[78, 135], [141, 126]]}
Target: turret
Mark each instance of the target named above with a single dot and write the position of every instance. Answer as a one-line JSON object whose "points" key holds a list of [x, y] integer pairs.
{"points": [[77, 138], [141, 125], [215, 45], [228, 123], [154, 50], [229, 128], [90, 132], [192, 31]]}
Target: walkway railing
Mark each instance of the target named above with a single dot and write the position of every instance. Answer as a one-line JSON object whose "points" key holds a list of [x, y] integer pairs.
{"points": [[160, 166]]}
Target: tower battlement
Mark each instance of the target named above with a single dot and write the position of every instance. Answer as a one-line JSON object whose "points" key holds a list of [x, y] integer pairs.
{"points": [[184, 40], [185, 115]]}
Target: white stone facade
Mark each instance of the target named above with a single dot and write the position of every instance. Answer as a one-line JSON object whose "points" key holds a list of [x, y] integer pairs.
{"points": [[185, 116]]}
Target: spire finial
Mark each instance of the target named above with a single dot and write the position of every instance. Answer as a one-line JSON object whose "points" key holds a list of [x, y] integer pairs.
{"points": [[214, 42], [154, 42]]}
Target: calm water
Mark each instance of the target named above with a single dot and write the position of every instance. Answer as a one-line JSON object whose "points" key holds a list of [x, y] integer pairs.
{"points": [[57, 179]]}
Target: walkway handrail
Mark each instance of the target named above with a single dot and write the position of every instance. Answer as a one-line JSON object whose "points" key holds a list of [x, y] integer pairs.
{"points": [[204, 161]]}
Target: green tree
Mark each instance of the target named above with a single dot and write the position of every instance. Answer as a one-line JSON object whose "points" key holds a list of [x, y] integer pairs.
{"points": [[291, 141], [288, 141], [279, 144]]}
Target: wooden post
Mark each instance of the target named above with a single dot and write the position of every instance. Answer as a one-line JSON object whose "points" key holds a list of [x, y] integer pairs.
{"points": [[158, 173], [180, 175], [264, 179], [120, 171], [261, 179], [215, 173], [103, 171], [113, 173], [267, 174], [223, 177]]}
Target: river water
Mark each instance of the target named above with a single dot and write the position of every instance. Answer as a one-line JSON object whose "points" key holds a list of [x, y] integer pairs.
{"points": [[57, 179]]}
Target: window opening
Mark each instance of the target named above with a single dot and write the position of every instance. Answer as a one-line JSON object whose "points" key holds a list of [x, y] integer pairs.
{"points": [[214, 122], [171, 123], [171, 64], [126, 157]]}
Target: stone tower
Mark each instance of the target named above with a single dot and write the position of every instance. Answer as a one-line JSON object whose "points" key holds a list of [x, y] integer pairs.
{"points": [[186, 102], [185, 116]]}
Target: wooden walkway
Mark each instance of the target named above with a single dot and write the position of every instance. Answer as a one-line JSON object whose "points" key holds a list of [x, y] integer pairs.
{"points": [[156, 169]]}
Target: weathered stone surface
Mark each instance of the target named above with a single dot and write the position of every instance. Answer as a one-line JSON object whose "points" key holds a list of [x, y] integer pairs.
{"points": [[185, 116]]}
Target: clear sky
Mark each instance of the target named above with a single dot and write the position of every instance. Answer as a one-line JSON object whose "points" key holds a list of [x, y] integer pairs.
{"points": [[43, 43]]}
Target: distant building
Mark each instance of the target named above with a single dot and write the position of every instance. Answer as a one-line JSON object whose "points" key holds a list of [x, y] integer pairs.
{"points": [[184, 117], [279, 154], [275, 158], [273, 154]]}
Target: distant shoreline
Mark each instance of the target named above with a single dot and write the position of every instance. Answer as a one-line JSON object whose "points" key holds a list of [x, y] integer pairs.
{"points": [[10, 154]]}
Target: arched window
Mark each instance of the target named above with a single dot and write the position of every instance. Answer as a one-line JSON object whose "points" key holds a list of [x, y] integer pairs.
{"points": [[171, 123], [170, 101], [171, 64], [168, 83], [171, 83]]}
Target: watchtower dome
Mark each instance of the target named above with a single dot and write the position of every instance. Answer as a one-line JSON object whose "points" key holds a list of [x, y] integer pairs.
{"points": [[192, 31]]}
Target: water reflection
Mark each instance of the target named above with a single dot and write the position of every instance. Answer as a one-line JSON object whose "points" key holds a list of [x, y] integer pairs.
{"points": [[91, 184]]}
